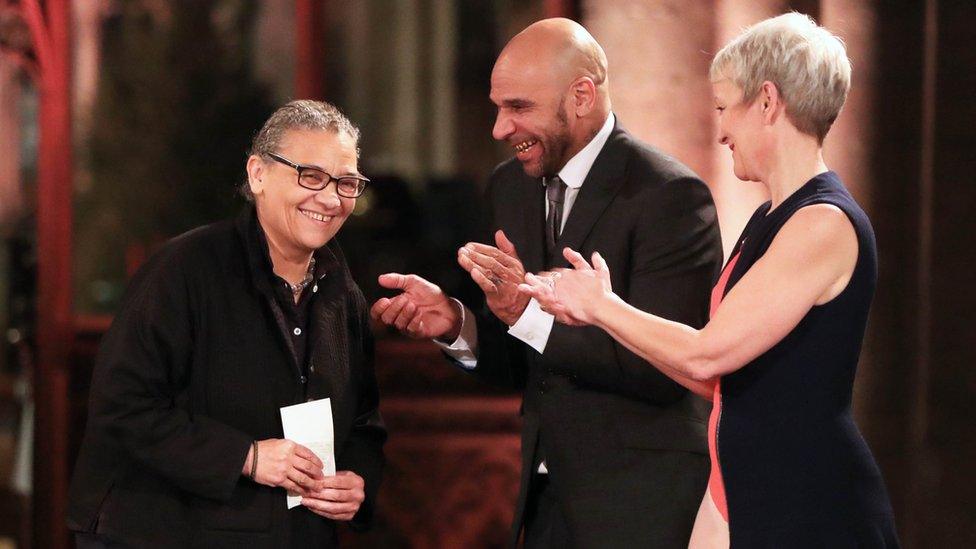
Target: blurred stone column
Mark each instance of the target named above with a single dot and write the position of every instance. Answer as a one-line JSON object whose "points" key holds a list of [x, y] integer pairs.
{"points": [[356, 26], [441, 143], [274, 56], [406, 86], [659, 53], [10, 195], [87, 18], [848, 146], [658, 72]]}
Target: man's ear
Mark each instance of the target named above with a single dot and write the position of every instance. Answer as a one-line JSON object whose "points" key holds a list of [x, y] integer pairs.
{"points": [[255, 174], [584, 96]]}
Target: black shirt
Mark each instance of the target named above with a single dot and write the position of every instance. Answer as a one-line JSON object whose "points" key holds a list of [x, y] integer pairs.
{"points": [[294, 321]]}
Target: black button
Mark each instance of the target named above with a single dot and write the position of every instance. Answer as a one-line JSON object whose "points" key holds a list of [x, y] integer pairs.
{"points": [[304, 380]]}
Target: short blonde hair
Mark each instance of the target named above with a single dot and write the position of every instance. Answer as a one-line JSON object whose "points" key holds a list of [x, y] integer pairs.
{"points": [[806, 62]]}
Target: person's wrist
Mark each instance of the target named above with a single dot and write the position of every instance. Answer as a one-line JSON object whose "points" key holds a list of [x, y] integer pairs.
{"points": [[254, 460], [246, 467], [512, 312], [601, 307], [457, 320], [521, 305]]}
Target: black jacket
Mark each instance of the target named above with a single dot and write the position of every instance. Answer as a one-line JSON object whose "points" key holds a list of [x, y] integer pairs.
{"points": [[624, 445], [194, 368]]}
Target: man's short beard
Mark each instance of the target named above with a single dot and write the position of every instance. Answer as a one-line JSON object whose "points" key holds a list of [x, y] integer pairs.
{"points": [[557, 144]]}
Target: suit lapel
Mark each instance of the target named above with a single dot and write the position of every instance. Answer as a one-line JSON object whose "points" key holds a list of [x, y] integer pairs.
{"points": [[599, 188]]}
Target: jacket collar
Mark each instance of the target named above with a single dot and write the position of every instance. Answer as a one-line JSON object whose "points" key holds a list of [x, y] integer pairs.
{"points": [[579, 166], [600, 185], [599, 188]]}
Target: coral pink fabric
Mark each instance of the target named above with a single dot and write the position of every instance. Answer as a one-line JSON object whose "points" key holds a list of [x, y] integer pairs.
{"points": [[715, 484]]}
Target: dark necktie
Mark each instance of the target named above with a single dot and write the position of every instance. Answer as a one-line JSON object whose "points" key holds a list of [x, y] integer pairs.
{"points": [[555, 193]]}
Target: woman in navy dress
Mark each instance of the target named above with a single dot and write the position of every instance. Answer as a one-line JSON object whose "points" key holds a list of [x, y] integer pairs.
{"points": [[778, 357]]}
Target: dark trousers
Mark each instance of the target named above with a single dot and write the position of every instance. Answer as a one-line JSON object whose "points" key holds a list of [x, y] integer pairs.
{"points": [[545, 526]]}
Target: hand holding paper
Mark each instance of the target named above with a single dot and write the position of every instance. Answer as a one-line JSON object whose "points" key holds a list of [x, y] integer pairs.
{"points": [[310, 425], [340, 497], [286, 464]]}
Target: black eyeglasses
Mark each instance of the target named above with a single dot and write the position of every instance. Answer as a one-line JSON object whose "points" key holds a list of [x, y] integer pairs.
{"points": [[314, 179]]}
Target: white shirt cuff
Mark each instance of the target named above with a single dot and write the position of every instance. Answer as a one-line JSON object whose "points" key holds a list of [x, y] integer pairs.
{"points": [[533, 327], [464, 349]]}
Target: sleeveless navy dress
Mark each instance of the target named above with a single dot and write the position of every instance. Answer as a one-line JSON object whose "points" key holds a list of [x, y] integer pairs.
{"points": [[797, 472]]}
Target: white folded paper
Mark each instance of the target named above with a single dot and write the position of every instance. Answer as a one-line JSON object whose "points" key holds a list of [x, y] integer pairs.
{"points": [[310, 424]]}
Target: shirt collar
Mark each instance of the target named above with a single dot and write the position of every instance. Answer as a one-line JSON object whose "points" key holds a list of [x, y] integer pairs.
{"points": [[575, 171]]}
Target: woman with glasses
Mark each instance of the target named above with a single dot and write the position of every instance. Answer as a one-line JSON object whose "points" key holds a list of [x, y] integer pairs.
{"points": [[778, 356], [223, 327]]}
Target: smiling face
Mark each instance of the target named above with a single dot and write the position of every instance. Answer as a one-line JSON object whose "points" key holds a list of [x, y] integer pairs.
{"points": [[532, 117], [297, 220], [740, 127]]}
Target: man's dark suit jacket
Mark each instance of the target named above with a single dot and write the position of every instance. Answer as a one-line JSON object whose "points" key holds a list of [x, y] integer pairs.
{"points": [[624, 445], [195, 367]]}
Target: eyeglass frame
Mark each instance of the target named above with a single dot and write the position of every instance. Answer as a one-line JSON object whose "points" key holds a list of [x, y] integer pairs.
{"points": [[330, 178]]}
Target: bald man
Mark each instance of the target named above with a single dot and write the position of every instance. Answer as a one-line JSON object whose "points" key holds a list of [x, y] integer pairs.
{"points": [[613, 452]]}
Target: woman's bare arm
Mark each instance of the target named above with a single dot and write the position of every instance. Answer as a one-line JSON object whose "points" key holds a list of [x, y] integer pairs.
{"points": [[808, 263]]}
